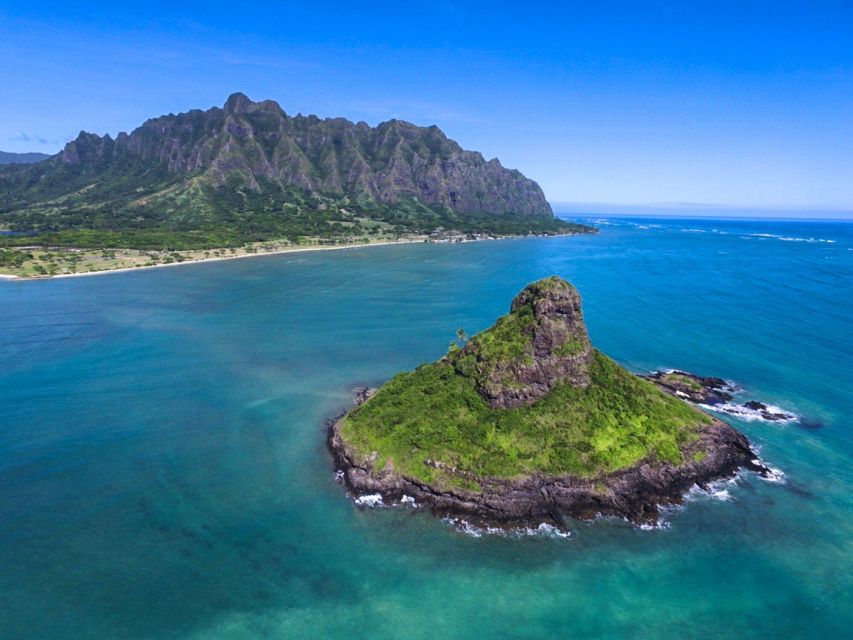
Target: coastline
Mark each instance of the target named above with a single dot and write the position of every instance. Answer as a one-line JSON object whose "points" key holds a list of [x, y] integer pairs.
{"points": [[295, 249], [292, 249], [635, 494]]}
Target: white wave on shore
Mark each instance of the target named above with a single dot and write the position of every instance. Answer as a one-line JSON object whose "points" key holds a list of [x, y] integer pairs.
{"points": [[370, 500], [751, 415], [544, 530], [376, 500], [773, 475], [661, 523], [717, 490]]}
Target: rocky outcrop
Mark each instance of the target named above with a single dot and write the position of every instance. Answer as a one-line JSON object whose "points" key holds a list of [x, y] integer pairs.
{"points": [[259, 145], [716, 393], [547, 329], [689, 386]]}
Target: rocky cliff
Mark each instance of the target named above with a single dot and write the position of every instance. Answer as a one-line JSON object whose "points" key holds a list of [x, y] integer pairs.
{"points": [[543, 342], [258, 144]]}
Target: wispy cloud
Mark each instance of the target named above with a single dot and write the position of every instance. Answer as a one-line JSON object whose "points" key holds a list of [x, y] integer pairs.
{"points": [[26, 137], [26, 141]]}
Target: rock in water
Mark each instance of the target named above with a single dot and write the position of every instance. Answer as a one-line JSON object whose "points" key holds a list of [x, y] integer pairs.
{"points": [[689, 386], [527, 423], [715, 393]]}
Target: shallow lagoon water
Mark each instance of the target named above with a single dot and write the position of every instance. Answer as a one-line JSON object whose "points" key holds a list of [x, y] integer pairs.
{"points": [[163, 471]]}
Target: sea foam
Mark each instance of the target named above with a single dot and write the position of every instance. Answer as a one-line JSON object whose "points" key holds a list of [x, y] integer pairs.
{"points": [[370, 500], [751, 415], [544, 530]]}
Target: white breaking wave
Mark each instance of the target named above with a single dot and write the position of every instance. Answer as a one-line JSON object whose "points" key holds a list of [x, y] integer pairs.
{"points": [[371, 500], [717, 490], [659, 525], [545, 530], [376, 500], [775, 236], [750, 415], [761, 236], [773, 475]]}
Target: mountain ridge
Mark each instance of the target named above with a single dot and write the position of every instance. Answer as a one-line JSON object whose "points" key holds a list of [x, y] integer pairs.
{"points": [[9, 157], [249, 172], [294, 159]]}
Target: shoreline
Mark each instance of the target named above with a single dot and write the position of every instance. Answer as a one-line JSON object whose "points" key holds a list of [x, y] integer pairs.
{"points": [[295, 249], [636, 493]]}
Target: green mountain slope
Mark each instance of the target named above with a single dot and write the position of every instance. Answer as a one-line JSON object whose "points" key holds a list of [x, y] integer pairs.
{"points": [[250, 172]]}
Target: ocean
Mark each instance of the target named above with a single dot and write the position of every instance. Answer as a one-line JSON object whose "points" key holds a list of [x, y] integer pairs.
{"points": [[163, 469]]}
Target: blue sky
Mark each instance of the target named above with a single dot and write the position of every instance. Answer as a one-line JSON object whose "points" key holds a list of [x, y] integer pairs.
{"points": [[745, 104]]}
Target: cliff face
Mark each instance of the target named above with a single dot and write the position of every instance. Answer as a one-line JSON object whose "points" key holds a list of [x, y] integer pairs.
{"points": [[543, 342], [258, 145]]}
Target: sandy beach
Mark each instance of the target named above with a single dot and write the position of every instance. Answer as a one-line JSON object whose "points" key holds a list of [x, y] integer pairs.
{"points": [[295, 249]]}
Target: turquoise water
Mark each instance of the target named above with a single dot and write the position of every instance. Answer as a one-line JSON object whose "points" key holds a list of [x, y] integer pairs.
{"points": [[163, 472]]}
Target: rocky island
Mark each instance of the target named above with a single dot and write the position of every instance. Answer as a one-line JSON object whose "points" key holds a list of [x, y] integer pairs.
{"points": [[717, 394], [526, 423]]}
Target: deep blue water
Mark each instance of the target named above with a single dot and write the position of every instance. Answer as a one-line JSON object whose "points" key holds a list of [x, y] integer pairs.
{"points": [[163, 472]]}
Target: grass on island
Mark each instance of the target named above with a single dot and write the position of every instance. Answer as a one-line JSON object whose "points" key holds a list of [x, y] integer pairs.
{"points": [[436, 414], [678, 378]]}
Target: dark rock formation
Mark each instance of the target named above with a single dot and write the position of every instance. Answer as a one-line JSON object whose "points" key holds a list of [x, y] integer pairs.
{"points": [[689, 386], [715, 392], [810, 424], [552, 343]]}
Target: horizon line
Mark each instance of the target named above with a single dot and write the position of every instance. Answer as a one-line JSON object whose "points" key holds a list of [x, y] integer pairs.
{"points": [[698, 210]]}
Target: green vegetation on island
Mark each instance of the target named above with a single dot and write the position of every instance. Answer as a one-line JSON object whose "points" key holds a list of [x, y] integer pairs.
{"points": [[435, 413], [467, 415]]}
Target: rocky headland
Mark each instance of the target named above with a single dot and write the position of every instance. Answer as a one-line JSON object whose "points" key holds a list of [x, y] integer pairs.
{"points": [[526, 423]]}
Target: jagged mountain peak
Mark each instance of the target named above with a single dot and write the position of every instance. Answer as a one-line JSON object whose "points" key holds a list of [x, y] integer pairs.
{"points": [[256, 143]]}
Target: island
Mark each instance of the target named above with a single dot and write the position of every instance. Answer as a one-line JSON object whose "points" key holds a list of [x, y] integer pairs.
{"points": [[526, 423]]}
